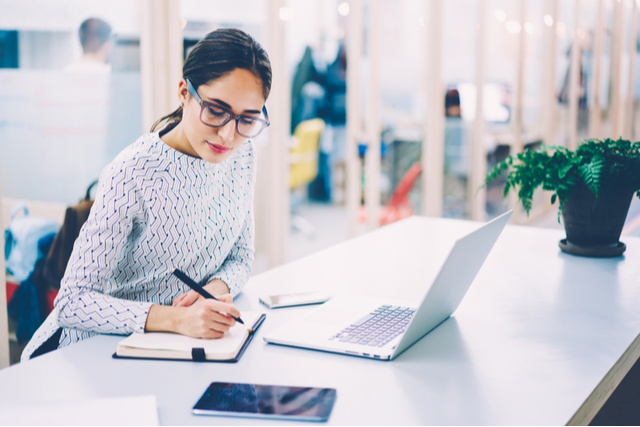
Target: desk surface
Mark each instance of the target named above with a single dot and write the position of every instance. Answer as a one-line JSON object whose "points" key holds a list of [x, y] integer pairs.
{"points": [[542, 337]]}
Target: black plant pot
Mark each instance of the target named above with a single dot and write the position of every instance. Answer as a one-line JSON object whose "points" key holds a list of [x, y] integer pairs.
{"points": [[593, 225]]}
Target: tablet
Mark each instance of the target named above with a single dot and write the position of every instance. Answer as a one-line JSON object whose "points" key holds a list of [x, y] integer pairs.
{"points": [[266, 401]]}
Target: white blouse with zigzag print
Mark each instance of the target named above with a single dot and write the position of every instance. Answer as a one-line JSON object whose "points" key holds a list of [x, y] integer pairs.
{"points": [[155, 209]]}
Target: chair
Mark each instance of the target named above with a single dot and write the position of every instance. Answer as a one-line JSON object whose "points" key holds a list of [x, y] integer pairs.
{"points": [[303, 167], [399, 206]]}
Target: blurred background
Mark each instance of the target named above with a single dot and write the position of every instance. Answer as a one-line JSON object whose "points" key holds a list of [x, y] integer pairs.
{"points": [[374, 108]]}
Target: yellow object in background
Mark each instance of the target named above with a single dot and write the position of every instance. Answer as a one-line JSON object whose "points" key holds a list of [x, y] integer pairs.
{"points": [[303, 156]]}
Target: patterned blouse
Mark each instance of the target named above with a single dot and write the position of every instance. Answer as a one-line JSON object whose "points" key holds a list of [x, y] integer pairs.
{"points": [[155, 209]]}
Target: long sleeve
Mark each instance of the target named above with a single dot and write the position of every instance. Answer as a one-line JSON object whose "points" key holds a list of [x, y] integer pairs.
{"points": [[236, 268], [84, 302]]}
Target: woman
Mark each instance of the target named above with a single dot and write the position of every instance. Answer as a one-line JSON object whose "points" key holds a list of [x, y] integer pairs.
{"points": [[179, 197]]}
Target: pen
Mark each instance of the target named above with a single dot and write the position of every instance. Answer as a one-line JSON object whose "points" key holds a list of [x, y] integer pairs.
{"points": [[199, 289]]}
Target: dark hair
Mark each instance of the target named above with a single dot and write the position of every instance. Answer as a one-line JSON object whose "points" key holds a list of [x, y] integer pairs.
{"points": [[216, 55], [93, 32]]}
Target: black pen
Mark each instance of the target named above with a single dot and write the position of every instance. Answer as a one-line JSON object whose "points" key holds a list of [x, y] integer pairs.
{"points": [[199, 289]]}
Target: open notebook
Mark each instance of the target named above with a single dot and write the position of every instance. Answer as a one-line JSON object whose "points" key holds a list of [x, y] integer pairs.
{"points": [[170, 346]]}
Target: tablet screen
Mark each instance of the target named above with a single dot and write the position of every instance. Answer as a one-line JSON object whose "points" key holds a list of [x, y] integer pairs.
{"points": [[266, 401]]}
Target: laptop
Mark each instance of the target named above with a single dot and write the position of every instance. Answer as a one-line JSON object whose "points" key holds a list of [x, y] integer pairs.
{"points": [[379, 329]]}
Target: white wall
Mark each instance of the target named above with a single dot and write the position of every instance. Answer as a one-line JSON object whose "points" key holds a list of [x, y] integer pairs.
{"points": [[67, 15], [59, 129], [47, 49]]}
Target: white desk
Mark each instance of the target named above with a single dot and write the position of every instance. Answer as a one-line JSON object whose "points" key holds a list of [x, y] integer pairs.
{"points": [[541, 337]]}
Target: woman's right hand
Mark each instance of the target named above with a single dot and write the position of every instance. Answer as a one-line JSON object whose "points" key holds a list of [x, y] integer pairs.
{"points": [[206, 318]]}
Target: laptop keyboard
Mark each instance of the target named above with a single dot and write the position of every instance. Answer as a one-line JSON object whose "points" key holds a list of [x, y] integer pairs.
{"points": [[377, 328]]}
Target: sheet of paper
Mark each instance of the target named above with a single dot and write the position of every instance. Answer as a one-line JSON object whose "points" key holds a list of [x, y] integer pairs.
{"points": [[135, 410], [169, 341]]}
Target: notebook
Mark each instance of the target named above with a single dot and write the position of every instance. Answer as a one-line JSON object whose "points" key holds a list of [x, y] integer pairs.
{"points": [[171, 346]]}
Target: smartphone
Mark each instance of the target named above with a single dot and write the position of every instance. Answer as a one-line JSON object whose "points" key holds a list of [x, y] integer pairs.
{"points": [[266, 401], [294, 299]]}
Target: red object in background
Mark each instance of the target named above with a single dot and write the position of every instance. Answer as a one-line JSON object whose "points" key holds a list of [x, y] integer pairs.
{"points": [[51, 294], [11, 289], [399, 206], [51, 297]]}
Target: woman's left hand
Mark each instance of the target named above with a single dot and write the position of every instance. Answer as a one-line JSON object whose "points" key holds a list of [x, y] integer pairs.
{"points": [[215, 287]]}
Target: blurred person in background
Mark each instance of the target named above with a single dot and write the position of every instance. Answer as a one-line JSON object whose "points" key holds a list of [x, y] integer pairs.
{"points": [[94, 36], [452, 103]]}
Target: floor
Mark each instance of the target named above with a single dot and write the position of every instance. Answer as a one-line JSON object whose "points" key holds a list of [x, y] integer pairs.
{"points": [[622, 408], [329, 222]]}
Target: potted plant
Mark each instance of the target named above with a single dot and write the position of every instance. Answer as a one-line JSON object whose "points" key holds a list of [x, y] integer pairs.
{"points": [[594, 186]]}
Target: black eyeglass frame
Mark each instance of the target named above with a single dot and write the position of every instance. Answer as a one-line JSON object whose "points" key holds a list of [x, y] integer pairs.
{"points": [[204, 104]]}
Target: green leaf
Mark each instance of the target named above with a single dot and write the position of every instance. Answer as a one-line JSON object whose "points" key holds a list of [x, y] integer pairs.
{"points": [[564, 169], [591, 173], [506, 189]]}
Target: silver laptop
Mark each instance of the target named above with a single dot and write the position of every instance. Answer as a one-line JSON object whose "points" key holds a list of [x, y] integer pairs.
{"points": [[379, 329]]}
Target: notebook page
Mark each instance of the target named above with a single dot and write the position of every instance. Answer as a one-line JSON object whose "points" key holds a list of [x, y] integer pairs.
{"points": [[230, 343]]}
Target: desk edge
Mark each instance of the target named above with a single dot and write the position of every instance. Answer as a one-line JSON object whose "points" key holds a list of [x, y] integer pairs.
{"points": [[585, 414]]}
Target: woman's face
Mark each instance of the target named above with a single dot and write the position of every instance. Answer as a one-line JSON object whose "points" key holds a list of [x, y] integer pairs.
{"points": [[239, 92]]}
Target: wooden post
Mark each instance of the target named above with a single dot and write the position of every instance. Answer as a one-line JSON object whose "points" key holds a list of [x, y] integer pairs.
{"points": [[517, 119], [518, 145], [354, 116], [433, 142], [574, 81], [319, 44], [550, 102], [160, 58], [4, 321], [633, 37], [476, 193], [618, 33], [276, 162], [595, 115], [372, 156]]}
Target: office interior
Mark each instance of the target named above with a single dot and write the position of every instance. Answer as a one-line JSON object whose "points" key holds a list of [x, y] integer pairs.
{"points": [[374, 105]]}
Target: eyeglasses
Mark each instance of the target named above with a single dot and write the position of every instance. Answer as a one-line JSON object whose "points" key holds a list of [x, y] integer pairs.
{"points": [[216, 116]]}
